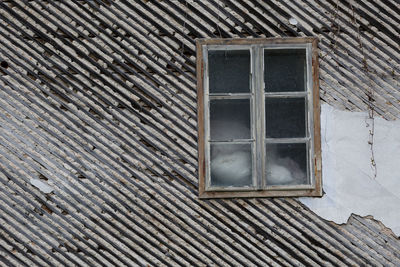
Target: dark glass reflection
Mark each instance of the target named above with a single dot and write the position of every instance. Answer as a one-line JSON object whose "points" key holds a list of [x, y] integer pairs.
{"points": [[285, 117], [230, 119], [231, 165], [286, 164], [284, 70], [229, 71]]}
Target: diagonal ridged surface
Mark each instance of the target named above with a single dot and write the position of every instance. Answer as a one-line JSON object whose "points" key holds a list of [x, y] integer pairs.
{"points": [[98, 100]]}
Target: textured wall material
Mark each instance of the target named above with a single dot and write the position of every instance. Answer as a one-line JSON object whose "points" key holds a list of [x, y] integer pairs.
{"points": [[346, 153], [98, 102]]}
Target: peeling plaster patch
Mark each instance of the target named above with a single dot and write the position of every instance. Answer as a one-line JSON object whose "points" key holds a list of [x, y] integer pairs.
{"points": [[348, 179], [293, 21], [45, 188]]}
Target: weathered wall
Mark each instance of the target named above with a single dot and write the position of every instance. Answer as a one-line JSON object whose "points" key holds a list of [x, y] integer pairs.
{"points": [[352, 184], [98, 101]]}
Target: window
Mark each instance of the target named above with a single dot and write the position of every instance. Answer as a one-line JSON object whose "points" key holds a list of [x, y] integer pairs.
{"points": [[258, 117]]}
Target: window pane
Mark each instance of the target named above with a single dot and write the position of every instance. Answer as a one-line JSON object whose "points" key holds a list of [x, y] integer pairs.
{"points": [[285, 117], [229, 71], [230, 119], [284, 70], [231, 165], [286, 164]]}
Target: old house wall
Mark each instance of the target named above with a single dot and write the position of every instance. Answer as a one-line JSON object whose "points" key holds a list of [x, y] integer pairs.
{"points": [[98, 141]]}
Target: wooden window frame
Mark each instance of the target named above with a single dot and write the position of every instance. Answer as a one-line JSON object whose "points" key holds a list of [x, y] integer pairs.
{"points": [[313, 111]]}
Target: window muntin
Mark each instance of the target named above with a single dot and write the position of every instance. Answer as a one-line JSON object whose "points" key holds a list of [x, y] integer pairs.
{"points": [[259, 132]]}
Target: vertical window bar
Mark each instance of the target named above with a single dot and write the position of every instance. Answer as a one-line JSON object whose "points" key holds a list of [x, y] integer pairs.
{"points": [[263, 155], [262, 119], [310, 113], [253, 120], [206, 117], [259, 115]]}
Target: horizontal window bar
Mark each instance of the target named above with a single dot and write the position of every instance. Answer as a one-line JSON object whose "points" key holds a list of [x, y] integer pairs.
{"points": [[229, 47], [287, 140], [289, 187], [241, 141], [230, 96], [252, 188], [285, 46], [286, 94], [231, 188]]}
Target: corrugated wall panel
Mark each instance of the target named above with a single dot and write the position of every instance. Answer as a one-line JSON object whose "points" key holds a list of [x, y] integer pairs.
{"points": [[98, 100]]}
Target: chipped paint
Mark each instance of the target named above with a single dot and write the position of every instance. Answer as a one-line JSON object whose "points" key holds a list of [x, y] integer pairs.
{"points": [[349, 182], [42, 186]]}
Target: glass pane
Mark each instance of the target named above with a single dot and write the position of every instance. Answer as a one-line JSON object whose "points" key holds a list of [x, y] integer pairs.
{"points": [[285, 117], [284, 70], [229, 71], [286, 164], [231, 165], [229, 119]]}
